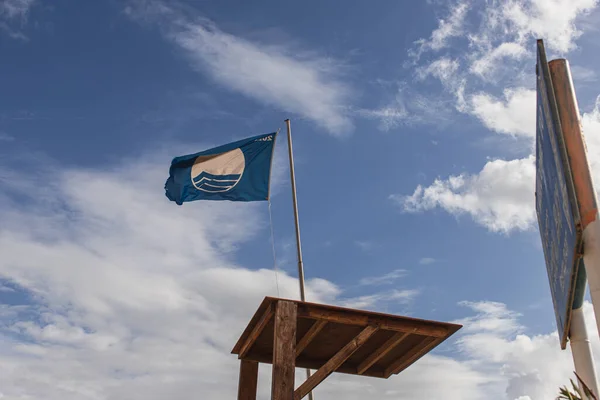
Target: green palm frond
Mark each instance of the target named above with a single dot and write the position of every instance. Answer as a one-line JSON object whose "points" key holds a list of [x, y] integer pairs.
{"points": [[566, 394]]}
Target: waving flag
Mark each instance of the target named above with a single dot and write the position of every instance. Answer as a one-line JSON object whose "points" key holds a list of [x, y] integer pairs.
{"points": [[238, 171]]}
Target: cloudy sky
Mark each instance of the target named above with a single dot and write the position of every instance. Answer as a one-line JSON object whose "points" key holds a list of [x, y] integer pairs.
{"points": [[414, 125]]}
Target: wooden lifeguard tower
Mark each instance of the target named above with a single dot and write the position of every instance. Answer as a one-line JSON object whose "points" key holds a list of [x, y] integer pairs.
{"points": [[290, 334]]}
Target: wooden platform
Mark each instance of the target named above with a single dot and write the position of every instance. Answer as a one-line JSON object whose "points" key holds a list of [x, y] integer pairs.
{"points": [[365, 343]]}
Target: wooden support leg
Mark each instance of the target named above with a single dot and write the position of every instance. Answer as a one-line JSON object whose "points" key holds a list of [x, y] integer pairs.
{"points": [[284, 351], [248, 380]]}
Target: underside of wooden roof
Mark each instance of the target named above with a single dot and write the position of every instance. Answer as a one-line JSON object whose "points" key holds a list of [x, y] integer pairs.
{"points": [[372, 344]]}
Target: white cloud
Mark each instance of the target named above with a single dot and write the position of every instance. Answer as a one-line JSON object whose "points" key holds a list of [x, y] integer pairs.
{"points": [[448, 28], [583, 74], [387, 278], [4, 288], [365, 245], [486, 65], [514, 115], [128, 303], [495, 51], [590, 123], [13, 14], [292, 81], [369, 301], [531, 366], [409, 108], [137, 298], [15, 8], [447, 71], [500, 197], [507, 29], [491, 316], [495, 47], [389, 116], [443, 69], [553, 20], [454, 380], [427, 260], [131, 305], [5, 137]]}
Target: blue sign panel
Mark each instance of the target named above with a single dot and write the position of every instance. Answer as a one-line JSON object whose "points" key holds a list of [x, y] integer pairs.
{"points": [[557, 218]]}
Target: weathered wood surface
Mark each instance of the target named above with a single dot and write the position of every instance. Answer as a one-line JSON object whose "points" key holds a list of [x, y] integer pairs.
{"points": [[309, 336], [415, 353], [334, 362], [381, 351], [284, 351], [321, 331], [258, 328], [352, 317], [248, 383]]}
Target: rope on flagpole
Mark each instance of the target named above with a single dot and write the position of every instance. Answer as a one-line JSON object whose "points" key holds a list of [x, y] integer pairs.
{"points": [[273, 247]]}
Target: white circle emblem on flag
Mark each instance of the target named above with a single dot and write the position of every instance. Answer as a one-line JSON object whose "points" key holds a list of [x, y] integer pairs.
{"points": [[218, 173]]}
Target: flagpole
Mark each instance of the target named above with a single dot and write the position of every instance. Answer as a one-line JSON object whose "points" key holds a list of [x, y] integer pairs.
{"points": [[295, 201], [297, 223]]}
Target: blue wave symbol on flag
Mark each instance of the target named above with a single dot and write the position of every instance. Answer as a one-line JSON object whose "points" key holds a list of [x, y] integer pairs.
{"points": [[215, 183]]}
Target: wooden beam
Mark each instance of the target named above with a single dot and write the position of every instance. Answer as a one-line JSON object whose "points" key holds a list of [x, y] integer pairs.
{"points": [[258, 328], [248, 380], [349, 317], [310, 335], [384, 349], [334, 362], [284, 350], [375, 371], [418, 351]]}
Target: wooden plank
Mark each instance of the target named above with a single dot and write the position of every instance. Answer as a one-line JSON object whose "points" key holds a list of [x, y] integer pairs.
{"points": [[381, 351], [349, 317], [316, 364], [309, 336], [334, 362], [248, 380], [284, 350], [258, 328], [355, 317], [415, 353], [266, 303]]}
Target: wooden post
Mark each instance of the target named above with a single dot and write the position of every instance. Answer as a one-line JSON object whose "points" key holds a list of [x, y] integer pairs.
{"points": [[284, 350], [248, 380]]}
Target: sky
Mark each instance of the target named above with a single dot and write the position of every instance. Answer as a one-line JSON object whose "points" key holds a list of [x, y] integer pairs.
{"points": [[413, 126]]}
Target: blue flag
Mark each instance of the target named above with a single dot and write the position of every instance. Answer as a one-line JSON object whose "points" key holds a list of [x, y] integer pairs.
{"points": [[238, 171]]}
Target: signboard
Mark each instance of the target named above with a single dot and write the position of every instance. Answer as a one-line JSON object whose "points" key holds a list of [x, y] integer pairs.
{"points": [[558, 216]]}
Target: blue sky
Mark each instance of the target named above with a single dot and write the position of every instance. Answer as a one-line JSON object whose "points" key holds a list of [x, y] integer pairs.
{"points": [[413, 132]]}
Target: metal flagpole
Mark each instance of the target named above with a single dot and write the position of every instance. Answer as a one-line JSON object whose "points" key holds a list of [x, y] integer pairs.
{"points": [[295, 201], [297, 223]]}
